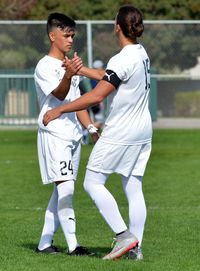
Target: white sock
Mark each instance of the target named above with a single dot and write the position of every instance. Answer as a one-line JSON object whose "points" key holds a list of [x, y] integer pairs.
{"points": [[137, 208], [105, 202], [66, 213], [51, 222]]}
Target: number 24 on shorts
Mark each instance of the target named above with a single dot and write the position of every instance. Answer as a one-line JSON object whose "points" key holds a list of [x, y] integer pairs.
{"points": [[66, 167]]}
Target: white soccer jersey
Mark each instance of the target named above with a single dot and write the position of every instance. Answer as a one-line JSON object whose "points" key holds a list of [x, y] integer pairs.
{"points": [[129, 121], [48, 74]]}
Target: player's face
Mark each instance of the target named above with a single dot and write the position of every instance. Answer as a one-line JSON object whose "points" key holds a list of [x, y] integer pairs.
{"points": [[63, 39]]}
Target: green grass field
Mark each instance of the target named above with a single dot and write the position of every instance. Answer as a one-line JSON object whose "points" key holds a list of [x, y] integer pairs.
{"points": [[171, 186]]}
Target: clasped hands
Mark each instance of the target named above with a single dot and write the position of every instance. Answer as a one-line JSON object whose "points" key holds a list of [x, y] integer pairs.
{"points": [[72, 66]]}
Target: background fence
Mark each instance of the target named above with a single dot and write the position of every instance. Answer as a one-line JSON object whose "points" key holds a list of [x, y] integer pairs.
{"points": [[173, 47]]}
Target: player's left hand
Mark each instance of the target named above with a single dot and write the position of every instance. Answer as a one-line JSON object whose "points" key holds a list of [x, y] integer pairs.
{"points": [[51, 115]]}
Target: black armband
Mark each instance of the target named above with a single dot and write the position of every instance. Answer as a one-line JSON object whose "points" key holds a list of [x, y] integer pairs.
{"points": [[111, 77]]}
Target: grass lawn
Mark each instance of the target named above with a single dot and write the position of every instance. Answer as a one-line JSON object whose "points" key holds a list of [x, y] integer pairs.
{"points": [[171, 186]]}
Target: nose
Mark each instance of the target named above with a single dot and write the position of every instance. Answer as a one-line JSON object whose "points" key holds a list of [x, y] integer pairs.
{"points": [[71, 39]]}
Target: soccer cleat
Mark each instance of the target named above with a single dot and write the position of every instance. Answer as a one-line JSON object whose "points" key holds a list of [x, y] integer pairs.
{"points": [[136, 254], [122, 246], [81, 251], [49, 250]]}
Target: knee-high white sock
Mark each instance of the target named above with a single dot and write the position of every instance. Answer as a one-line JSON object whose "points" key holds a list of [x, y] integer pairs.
{"points": [[105, 202], [51, 222], [66, 213], [137, 208]]}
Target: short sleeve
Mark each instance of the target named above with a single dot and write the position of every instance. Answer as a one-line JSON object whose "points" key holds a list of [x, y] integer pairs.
{"points": [[46, 78], [121, 65]]}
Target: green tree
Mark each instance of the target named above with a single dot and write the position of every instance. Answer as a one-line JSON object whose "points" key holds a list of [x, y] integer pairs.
{"points": [[106, 10], [15, 9], [170, 48], [99, 9]]}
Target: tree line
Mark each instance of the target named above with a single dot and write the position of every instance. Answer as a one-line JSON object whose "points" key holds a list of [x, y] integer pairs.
{"points": [[171, 48], [98, 9]]}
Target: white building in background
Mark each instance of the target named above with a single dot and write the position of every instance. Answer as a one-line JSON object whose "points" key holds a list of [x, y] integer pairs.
{"points": [[194, 72]]}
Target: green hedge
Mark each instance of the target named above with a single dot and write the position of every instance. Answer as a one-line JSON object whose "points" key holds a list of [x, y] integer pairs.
{"points": [[187, 104]]}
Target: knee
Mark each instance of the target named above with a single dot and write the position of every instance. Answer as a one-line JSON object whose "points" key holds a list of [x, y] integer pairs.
{"points": [[94, 181], [65, 194], [87, 186]]}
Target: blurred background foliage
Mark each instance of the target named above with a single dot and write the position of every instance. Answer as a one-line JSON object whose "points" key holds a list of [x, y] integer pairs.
{"points": [[99, 9], [21, 47]]}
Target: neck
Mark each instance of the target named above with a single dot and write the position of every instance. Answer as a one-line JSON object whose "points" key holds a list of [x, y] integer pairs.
{"points": [[123, 41], [56, 54]]}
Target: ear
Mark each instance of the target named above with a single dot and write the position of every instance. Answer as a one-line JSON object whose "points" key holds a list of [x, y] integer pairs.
{"points": [[117, 28], [52, 36]]}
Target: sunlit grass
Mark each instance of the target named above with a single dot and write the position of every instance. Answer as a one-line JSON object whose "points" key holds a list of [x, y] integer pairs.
{"points": [[171, 187]]}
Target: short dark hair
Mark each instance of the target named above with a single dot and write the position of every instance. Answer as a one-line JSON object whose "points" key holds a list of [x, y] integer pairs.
{"points": [[60, 20], [130, 20]]}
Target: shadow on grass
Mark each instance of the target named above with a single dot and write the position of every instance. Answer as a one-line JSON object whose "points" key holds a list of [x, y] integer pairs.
{"points": [[99, 252]]}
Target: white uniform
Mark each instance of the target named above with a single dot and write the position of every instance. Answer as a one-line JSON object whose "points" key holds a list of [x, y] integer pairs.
{"points": [[57, 141], [125, 143]]}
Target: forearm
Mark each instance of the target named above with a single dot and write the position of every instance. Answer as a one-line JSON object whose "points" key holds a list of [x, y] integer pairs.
{"points": [[63, 88], [91, 73], [84, 118], [81, 103]]}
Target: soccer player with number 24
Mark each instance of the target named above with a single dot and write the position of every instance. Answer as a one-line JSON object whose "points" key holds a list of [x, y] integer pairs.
{"points": [[59, 142]]}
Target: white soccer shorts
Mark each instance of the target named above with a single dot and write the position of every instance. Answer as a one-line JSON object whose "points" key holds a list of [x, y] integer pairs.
{"points": [[58, 159], [123, 159]]}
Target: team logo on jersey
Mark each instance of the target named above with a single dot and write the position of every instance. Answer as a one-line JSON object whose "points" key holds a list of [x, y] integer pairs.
{"points": [[58, 75], [74, 81]]}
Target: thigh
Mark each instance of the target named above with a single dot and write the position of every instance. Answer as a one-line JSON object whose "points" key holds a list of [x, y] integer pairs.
{"points": [[76, 153], [108, 158], [94, 177], [141, 163], [55, 158]]}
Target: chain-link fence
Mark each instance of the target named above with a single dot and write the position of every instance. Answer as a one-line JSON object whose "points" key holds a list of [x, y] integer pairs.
{"points": [[173, 47]]}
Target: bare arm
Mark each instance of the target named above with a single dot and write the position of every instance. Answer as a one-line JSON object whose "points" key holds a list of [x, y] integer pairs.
{"points": [[71, 66], [95, 96], [96, 74], [84, 118]]}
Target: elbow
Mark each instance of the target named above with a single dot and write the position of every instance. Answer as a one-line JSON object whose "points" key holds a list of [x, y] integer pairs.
{"points": [[60, 98], [96, 97], [99, 99]]}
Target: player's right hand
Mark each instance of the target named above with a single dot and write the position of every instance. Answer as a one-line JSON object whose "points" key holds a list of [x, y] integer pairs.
{"points": [[51, 115], [72, 66]]}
